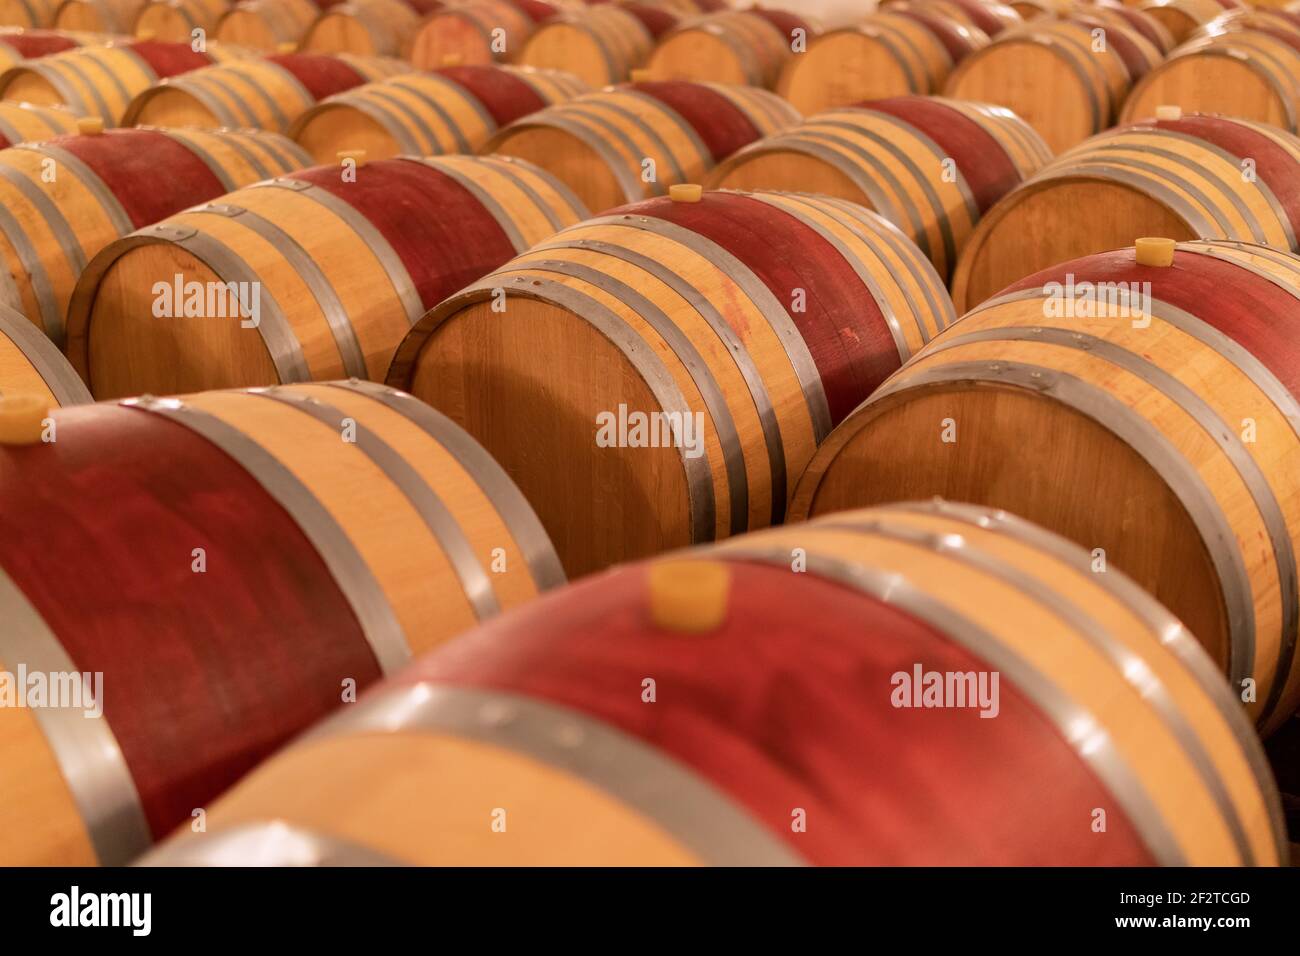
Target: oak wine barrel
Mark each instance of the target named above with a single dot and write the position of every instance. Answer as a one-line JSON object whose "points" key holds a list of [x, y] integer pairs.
{"points": [[929, 165], [906, 48], [749, 46], [103, 16], [1181, 17], [369, 27], [1170, 395], [267, 25], [265, 93], [1244, 73], [477, 32], [634, 141], [984, 15], [28, 13], [755, 320], [1065, 78], [781, 720], [31, 365], [105, 185], [24, 123], [1144, 23], [102, 81], [1186, 177], [450, 110], [600, 45], [346, 258], [18, 44], [177, 20], [275, 585]]}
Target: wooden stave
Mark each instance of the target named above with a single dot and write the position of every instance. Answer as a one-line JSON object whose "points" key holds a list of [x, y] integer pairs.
{"points": [[1267, 504], [430, 44], [177, 20], [1199, 202], [897, 173], [757, 46], [777, 361], [316, 326], [155, 781], [108, 16], [857, 553], [432, 113], [31, 365], [1182, 17]]}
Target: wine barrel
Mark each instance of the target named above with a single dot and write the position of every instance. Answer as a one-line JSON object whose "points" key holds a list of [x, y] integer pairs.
{"points": [[908, 48], [1049, 74], [266, 25], [1150, 28], [177, 20], [18, 44], [105, 186], [1181, 17], [24, 123], [634, 141], [789, 721], [268, 93], [103, 16], [1248, 74], [28, 13], [102, 81], [281, 589], [370, 27], [1170, 398], [988, 17], [340, 261], [451, 110], [1187, 177], [760, 319], [749, 46], [31, 365], [1036, 9], [600, 45], [477, 32], [930, 166]]}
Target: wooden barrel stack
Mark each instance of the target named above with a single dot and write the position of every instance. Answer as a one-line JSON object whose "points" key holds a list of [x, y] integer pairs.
{"points": [[103, 189], [449, 110], [753, 320], [636, 140], [1167, 380], [929, 165], [102, 81], [1241, 64], [345, 258], [398, 311], [265, 93], [1186, 177], [282, 587], [529, 716]]}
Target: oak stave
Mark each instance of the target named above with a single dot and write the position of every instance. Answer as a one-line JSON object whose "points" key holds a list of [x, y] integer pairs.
{"points": [[600, 44], [30, 364]]}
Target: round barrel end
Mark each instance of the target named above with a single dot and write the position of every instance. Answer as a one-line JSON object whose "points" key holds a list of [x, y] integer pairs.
{"points": [[22, 419], [1154, 252], [689, 597]]}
